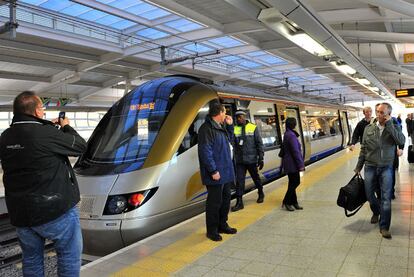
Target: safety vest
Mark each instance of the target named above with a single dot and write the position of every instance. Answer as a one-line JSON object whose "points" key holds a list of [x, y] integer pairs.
{"points": [[249, 129]]}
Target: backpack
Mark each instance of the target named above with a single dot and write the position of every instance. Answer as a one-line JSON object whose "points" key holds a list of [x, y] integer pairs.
{"points": [[352, 196]]}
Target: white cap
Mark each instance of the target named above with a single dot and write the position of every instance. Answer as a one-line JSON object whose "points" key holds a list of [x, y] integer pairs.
{"points": [[240, 112]]}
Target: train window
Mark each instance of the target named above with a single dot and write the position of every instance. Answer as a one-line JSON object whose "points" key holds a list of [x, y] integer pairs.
{"points": [[267, 128], [191, 137], [323, 126]]}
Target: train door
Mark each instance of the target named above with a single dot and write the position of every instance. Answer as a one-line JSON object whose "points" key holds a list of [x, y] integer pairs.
{"points": [[294, 112], [346, 134]]}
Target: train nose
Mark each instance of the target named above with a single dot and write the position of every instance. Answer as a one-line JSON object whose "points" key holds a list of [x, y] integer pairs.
{"points": [[96, 228]]}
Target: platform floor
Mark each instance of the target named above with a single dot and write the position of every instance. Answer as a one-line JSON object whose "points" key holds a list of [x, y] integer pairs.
{"points": [[316, 241]]}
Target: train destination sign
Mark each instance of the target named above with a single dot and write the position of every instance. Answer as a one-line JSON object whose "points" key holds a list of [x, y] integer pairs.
{"points": [[399, 93]]}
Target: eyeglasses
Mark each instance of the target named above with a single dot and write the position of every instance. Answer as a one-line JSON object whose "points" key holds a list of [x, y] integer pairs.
{"points": [[41, 108]]}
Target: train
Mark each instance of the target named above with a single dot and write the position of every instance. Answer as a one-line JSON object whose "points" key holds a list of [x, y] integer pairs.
{"points": [[140, 173]]}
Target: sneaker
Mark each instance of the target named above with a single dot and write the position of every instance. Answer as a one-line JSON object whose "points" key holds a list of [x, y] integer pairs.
{"points": [[214, 237], [374, 219], [288, 207], [228, 230], [385, 233]]}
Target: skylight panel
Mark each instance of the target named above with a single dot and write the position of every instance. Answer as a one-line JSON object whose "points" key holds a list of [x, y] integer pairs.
{"points": [[156, 13], [198, 48], [33, 2], [270, 59], [56, 5], [183, 25], [121, 4], [151, 33], [123, 24], [108, 20], [226, 42], [249, 64], [230, 58], [92, 15], [256, 53], [75, 10]]}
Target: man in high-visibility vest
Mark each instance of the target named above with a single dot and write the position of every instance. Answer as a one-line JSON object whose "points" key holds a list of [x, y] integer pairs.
{"points": [[248, 156]]}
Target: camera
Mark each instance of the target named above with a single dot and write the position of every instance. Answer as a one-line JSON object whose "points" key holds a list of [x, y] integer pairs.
{"points": [[61, 115]]}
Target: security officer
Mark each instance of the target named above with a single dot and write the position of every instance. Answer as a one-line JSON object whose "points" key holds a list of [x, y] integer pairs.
{"points": [[248, 156]]}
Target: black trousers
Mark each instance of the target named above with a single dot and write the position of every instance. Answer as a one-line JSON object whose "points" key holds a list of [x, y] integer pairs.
{"points": [[241, 177], [290, 196], [217, 207]]}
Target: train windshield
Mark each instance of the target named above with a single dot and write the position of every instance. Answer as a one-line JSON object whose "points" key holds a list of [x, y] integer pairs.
{"points": [[123, 138]]}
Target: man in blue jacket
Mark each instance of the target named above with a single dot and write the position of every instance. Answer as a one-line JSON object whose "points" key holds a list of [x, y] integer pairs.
{"points": [[216, 168]]}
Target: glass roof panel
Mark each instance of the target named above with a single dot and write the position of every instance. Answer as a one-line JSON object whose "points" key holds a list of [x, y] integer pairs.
{"points": [[270, 59], [123, 24], [121, 4], [108, 20], [75, 10], [198, 48], [256, 53], [183, 25], [84, 12], [151, 33], [250, 64], [55, 5], [315, 77], [226, 42], [154, 14], [230, 58]]}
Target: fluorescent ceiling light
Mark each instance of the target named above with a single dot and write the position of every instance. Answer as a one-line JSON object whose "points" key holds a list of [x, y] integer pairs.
{"points": [[363, 81], [309, 44], [344, 68], [374, 88]]}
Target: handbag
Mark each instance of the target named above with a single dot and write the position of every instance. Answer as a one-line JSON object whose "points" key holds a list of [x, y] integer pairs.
{"points": [[352, 196]]}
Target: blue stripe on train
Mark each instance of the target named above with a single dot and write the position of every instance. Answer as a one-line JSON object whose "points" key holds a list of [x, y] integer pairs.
{"points": [[324, 153]]}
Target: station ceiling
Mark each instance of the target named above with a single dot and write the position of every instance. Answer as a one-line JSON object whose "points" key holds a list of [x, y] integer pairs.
{"points": [[93, 51]]}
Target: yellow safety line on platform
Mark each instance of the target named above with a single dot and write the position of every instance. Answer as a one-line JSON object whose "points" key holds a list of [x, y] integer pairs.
{"points": [[185, 251]]}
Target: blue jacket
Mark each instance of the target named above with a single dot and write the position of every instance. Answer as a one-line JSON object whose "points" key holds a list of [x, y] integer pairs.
{"points": [[214, 153], [292, 161]]}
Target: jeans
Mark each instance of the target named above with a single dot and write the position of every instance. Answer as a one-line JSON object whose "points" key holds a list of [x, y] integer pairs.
{"points": [[383, 177], [290, 196], [241, 178], [217, 207], [66, 234]]}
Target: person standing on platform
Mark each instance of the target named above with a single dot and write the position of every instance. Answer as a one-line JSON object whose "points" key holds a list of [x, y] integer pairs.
{"points": [[216, 168], [378, 148], [40, 186], [359, 129], [409, 125], [249, 155], [292, 163]]}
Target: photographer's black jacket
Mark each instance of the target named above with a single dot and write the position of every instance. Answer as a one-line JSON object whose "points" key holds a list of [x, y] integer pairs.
{"points": [[39, 182]]}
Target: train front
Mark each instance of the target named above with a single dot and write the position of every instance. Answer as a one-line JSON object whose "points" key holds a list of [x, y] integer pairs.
{"points": [[122, 197]]}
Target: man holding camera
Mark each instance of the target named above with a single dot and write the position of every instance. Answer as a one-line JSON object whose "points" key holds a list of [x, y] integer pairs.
{"points": [[40, 186]]}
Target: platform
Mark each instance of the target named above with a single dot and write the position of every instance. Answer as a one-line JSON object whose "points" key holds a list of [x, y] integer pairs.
{"points": [[316, 241]]}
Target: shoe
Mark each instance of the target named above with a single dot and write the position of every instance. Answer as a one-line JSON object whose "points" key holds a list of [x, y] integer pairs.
{"points": [[374, 219], [297, 207], [214, 237], [288, 207], [239, 205], [228, 230], [260, 199], [385, 233]]}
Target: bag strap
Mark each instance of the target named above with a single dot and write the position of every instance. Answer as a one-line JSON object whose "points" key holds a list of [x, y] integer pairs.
{"points": [[354, 212]]}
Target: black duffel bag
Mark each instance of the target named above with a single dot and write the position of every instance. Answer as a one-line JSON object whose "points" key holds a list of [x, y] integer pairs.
{"points": [[352, 196]]}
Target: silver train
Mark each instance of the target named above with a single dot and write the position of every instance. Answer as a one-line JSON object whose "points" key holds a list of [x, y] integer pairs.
{"points": [[140, 173]]}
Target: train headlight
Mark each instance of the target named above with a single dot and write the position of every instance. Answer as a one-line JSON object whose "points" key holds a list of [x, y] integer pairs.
{"points": [[117, 204]]}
